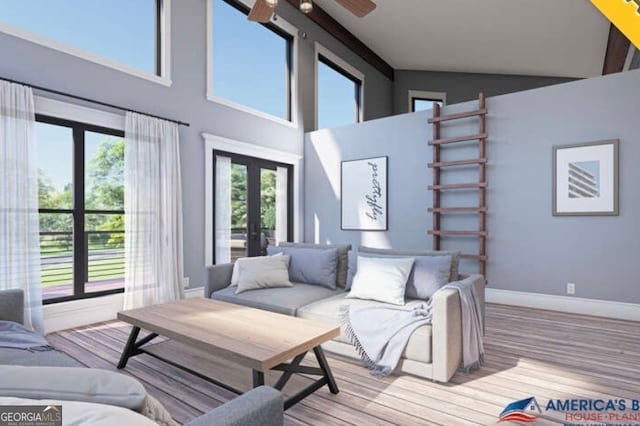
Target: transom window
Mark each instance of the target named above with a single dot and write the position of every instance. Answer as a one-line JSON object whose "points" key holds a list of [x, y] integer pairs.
{"points": [[81, 209], [125, 31], [421, 101], [339, 94], [251, 63]]}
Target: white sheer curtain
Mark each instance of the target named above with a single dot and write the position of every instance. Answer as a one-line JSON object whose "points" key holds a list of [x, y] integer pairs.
{"points": [[153, 212], [223, 210], [19, 227], [281, 204]]}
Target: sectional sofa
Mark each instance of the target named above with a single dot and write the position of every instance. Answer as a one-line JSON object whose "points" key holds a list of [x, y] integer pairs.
{"points": [[434, 351], [97, 397]]}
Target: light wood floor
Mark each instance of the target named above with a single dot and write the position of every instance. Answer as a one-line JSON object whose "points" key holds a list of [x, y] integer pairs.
{"points": [[529, 352]]}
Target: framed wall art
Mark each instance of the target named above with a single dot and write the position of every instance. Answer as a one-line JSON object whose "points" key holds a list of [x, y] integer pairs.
{"points": [[364, 198], [585, 179]]}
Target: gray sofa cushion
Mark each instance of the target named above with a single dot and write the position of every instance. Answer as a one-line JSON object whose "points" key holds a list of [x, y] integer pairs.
{"points": [[12, 306], [326, 311], [455, 256], [72, 384], [341, 277], [285, 300], [310, 266], [39, 358], [428, 273]]}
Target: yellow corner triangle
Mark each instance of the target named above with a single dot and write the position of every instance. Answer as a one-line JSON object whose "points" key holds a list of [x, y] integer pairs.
{"points": [[625, 15]]}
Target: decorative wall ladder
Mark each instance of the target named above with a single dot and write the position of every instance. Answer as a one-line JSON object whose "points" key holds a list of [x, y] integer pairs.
{"points": [[437, 165]]}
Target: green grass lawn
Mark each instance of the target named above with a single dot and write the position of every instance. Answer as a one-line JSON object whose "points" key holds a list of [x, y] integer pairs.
{"points": [[99, 270]]}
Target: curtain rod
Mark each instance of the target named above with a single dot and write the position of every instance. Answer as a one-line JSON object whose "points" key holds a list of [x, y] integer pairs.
{"points": [[69, 95]]}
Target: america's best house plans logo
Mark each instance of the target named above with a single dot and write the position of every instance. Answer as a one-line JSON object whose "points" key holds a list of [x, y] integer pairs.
{"points": [[625, 15]]}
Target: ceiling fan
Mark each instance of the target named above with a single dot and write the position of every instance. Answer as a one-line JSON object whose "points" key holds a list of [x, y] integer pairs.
{"points": [[262, 10]]}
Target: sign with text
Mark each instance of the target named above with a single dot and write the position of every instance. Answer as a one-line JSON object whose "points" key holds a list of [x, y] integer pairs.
{"points": [[364, 194]]}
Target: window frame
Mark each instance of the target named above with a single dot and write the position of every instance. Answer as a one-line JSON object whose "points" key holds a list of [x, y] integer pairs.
{"points": [[162, 42], [425, 96], [80, 120], [279, 27], [327, 57]]}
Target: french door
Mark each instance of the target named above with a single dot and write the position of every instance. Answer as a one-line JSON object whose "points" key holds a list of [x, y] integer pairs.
{"points": [[253, 205]]}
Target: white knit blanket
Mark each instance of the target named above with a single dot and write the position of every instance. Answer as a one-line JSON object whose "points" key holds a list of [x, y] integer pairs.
{"points": [[381, 333], [472, 325]]}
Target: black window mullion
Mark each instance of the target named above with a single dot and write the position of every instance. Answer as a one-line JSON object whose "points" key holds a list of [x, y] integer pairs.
{"points": [[159, 32], [80, 249]]}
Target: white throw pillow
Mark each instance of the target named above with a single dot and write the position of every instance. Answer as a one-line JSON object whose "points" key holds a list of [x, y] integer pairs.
{"points": [[381, 279], [263, 272], [234, 274]]}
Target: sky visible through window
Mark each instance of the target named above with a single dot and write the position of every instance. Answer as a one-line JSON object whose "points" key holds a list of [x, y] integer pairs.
{"points": [[121, 30], [54, 153], [424, 104], [336, 98], [249, 62]]}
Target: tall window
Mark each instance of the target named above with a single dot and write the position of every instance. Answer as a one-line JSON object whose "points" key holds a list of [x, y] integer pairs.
{"points": [[421, 101], [339, 95], [251, 63], [81, 204], [125, 31]]}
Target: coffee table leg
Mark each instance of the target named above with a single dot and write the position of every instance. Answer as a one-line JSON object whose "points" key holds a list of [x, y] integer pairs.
{"points": [[129, 348], [324, 365], [258, 378]]}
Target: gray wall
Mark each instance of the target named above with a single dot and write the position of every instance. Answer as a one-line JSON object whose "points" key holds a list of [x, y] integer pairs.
{"points": [[462, 87], [529, 249], [185, 100]]}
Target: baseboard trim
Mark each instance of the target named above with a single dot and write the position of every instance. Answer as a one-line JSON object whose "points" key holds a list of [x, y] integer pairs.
{"points": [[574, 305], [190, 293], [78, 313]]}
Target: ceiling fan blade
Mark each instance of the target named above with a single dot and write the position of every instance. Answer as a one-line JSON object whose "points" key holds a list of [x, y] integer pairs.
{"points": [[261, 11], [359, 8]]}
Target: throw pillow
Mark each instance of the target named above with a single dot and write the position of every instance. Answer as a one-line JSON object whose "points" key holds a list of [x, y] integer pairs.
{"points": [[73, 384], [429, 273], [455, 256], [263, 272], [234, 275], [341, 276], [311, 266], [381, 279]]}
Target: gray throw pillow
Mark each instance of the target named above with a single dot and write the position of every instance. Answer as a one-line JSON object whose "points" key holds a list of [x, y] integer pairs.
{"points": [[428, 275], [341, 276], [310, 266], [455, 256], [263, 272]]}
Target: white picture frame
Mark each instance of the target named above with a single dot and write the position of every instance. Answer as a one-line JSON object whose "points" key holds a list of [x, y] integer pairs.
{"points": [[585, 179], [363, 194]]}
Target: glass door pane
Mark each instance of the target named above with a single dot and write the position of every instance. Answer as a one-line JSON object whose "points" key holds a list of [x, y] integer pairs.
{"points": [[239, 208], [267, 209]]}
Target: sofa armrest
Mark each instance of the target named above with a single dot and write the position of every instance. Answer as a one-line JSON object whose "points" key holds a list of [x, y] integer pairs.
{"points": [[262, 406], [218, 277], [446, 328], [12, 305]]}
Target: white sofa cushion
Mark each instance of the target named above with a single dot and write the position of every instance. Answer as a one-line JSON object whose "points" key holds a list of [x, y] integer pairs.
{"points": [[326, 311]]}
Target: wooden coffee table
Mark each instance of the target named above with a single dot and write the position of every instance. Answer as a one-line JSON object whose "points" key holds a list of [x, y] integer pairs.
{"points": [[251, 338]]}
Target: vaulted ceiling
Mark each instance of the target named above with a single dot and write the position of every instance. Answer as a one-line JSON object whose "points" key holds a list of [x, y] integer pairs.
{"points": [[566, 38]]}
